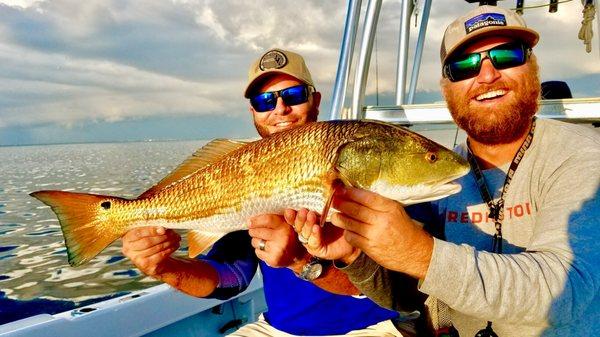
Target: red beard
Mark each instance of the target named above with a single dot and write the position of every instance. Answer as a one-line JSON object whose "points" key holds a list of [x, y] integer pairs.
{"points": [[502, 123]]}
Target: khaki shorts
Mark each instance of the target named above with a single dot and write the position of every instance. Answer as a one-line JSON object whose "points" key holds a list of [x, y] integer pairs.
{"points": [[261, 328]]}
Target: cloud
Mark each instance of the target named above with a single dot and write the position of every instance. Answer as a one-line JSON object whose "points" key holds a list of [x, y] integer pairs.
{"points": [[71, 62], [18, 3], [41, 88]]}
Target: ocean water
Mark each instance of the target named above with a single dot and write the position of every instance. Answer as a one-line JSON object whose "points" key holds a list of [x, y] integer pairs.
{"points": [[35, 276]]}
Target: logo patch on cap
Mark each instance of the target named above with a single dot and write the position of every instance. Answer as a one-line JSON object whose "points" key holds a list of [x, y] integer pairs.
{"points": [[484, 20], [273, 59]]}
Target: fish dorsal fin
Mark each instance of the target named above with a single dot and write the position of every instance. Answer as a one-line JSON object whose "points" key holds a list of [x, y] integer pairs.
{"points": [[198, 241], [206, 155]]}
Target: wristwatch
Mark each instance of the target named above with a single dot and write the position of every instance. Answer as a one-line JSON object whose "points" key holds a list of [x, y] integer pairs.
{"points": [[313, 269]]}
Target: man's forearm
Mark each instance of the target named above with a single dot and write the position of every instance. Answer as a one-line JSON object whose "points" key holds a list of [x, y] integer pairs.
{"points": [[335, 281], [332, 279], [193, 277], [389, 289]]}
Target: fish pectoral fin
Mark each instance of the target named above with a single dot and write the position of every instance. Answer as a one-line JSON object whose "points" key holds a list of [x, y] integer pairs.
{"points": [[198, 241], [208, 154], [358, 162], [344, 177], [335, 176], [332, 179], [323, 218]]}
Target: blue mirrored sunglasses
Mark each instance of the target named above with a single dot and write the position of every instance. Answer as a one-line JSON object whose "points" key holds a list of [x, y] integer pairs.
{"points": [[504, 56], [295, 95]]}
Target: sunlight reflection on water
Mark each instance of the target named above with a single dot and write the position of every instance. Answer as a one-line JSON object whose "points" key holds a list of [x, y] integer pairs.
{"points": [[33, 261]]}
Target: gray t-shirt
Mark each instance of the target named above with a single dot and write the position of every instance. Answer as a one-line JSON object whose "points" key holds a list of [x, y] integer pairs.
{"points": [[547, 280]]}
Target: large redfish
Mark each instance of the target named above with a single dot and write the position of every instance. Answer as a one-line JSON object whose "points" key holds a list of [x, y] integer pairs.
{"points": [[226, 182]]}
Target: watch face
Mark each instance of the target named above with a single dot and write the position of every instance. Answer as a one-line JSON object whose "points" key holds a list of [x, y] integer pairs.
{"points": [[311, 271]]}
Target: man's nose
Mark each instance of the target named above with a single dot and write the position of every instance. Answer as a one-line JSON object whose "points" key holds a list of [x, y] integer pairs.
{"points": [[281, 108], [488, 73]]}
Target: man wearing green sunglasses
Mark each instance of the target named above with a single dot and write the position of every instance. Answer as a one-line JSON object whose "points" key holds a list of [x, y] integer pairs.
{"points": [[517, 251], [491, 70]]}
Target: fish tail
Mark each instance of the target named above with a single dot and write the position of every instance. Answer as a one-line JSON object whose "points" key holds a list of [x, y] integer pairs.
{"points": [[84, 220]]}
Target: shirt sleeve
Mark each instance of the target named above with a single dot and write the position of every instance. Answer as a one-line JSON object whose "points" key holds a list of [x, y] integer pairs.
{"points": [[389, 289], [235, 262], [555, 280]]}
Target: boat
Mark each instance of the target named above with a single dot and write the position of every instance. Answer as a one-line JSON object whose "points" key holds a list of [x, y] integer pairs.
{"points": [[135, 314]]}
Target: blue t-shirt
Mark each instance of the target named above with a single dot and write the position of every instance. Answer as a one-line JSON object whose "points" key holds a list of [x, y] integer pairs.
{"points": [[295, 306], [299, 307]]}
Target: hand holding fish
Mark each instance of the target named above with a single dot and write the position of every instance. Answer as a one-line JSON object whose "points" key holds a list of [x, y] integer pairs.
{"points": [[326, 243], [382, 229], [150, 247], [280, 248]]}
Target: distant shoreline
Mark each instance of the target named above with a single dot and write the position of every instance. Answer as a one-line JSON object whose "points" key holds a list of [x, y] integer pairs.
{"points": [[108, 142]]}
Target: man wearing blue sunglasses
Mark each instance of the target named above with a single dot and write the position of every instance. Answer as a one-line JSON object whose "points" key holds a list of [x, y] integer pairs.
{"points": [[281, 92], [518, 251], [282, 96]]}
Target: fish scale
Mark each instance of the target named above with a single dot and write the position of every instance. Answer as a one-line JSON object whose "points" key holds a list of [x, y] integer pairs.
{"points": [[225, 183], [215, 187]]}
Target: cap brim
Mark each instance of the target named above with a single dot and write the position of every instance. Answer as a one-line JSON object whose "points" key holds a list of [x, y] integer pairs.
{"points": [[267, 73], [529, 36]]}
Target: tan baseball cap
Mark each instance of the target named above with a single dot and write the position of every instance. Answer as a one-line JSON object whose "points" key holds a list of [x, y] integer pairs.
{"points": [[485, 21], [278, 61]]}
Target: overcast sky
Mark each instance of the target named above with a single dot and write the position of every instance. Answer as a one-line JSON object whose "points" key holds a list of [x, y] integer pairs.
{"points": [[120, 70]]}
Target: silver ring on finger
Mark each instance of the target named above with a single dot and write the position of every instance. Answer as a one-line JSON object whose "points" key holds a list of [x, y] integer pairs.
{"points": [[302, 239], [262, 244]]}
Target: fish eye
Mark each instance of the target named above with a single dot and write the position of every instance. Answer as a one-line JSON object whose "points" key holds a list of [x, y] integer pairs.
{"points": [[105, 205], [431, 157]]}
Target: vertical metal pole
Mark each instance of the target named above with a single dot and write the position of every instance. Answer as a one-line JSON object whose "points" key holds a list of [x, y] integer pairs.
{"points": [[597, 20], [403, 51], [360, 79], [414, 78], [346, 52]]}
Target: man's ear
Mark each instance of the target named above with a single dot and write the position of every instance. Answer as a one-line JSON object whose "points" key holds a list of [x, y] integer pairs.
{"points": [[317, 99], [444, 83]]}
